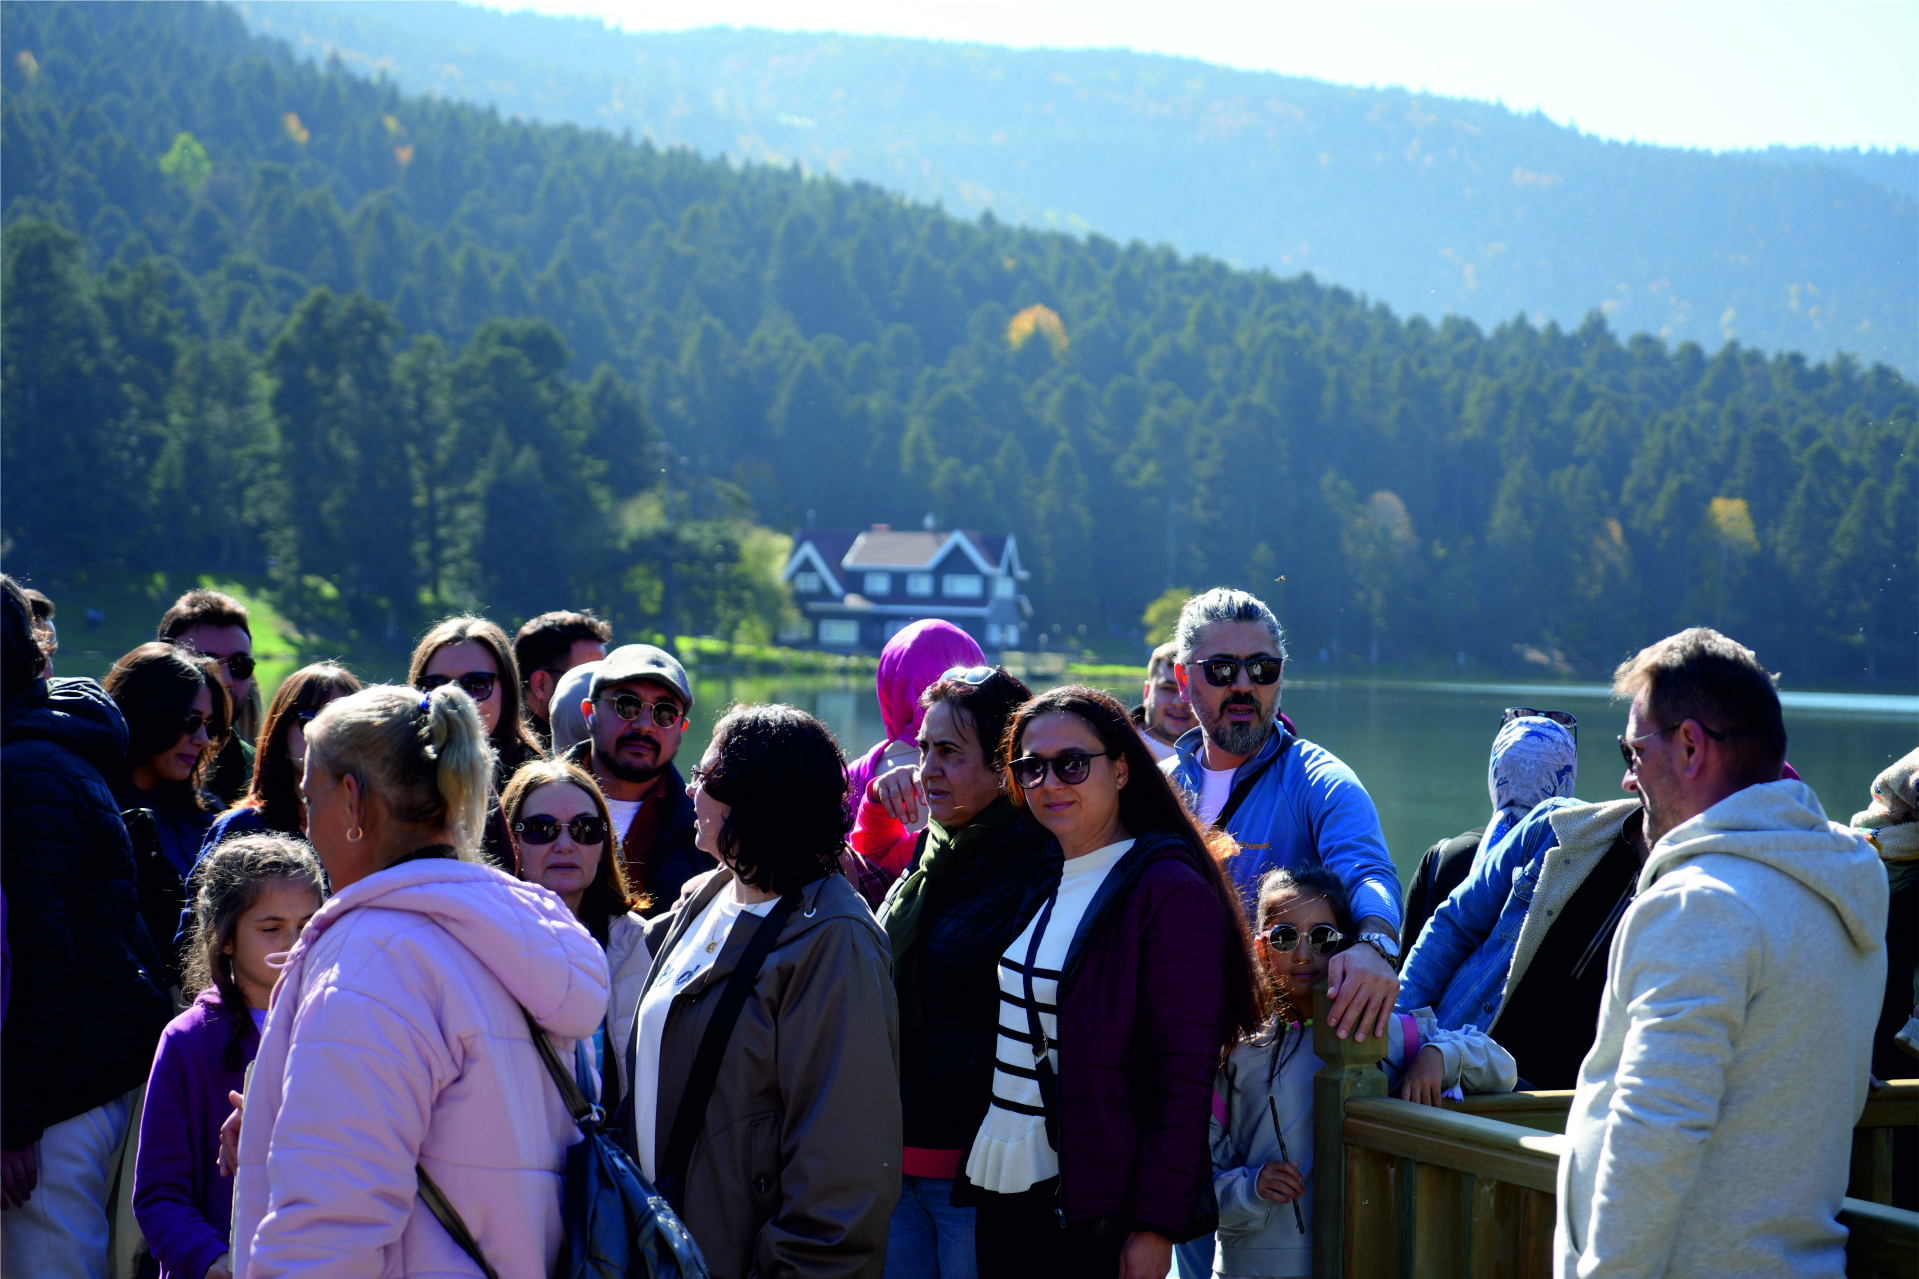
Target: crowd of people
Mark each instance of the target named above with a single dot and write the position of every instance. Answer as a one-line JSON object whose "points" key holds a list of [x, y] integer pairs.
{"points": [[1027, 989]]}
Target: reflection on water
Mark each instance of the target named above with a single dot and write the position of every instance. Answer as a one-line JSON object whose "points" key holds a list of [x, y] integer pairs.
{"points": [[1421, 748]]}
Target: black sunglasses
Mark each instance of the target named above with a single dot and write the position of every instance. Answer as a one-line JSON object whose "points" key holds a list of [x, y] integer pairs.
{"points": [[630, 706], [587, 829], [1562, 718], [478, 684], [239, 666], [193, 724], [973, 675], [1323, 938], [1223, 672], [1071, 767]]}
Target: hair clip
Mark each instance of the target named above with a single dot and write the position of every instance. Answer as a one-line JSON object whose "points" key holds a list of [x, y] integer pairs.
{"points": [[426, 703]]}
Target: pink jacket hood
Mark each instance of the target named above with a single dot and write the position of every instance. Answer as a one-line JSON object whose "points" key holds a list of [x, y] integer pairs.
{"points": [[395, 1039], [909, 664]]}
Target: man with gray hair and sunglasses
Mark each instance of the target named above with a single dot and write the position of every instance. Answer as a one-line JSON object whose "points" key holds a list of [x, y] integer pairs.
{"points": [[1284, 800]]}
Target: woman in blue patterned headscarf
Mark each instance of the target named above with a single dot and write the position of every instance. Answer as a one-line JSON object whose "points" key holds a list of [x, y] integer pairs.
{"points": [[1533, 759]]}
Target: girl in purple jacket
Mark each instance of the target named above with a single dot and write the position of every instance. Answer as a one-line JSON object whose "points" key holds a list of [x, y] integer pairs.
{"points": [[250, 898]]}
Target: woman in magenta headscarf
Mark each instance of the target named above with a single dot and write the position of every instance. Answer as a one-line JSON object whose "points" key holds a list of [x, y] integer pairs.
{"points": [[911, 662]]}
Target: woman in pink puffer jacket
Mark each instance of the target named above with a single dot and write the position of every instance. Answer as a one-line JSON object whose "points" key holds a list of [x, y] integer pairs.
{"points": [[395, 1036]]}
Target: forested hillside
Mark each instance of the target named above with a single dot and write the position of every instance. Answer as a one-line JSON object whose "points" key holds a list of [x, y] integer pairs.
{"points": [[411, 355], [1432, 205]]}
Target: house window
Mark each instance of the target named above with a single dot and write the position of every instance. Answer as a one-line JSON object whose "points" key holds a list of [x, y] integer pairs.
{"points": [[807, 583], [962, 585], [993, 634], [919, 584], [795, 630], [1003, 588], [1010, 636], [879, 583], [839, 630]]}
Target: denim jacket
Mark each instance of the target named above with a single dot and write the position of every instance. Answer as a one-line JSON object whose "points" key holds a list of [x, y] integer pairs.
{"points": [[1474, 950]]}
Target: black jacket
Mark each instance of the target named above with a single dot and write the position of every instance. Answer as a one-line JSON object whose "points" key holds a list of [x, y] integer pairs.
{"points": [[967, 922], [86, 1009], [1443, 868]]}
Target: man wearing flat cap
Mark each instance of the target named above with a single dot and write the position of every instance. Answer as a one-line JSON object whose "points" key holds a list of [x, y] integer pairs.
{"points": [[636, 709]]}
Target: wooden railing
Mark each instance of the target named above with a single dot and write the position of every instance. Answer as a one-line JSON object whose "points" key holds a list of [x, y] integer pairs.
{"points": [[1430, 1193]]}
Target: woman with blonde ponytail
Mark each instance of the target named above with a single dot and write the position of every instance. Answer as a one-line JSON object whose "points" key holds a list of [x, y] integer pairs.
{"points": [[395, 1049]]}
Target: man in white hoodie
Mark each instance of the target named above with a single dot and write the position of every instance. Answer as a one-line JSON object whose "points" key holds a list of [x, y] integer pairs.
{"points": [[1712, 1126]]}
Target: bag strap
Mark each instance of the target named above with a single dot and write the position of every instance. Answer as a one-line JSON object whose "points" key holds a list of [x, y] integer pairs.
{"points": [[584, 1112], [1042, 1059], [1244, 787], [442, 1208], [691, 1116]]}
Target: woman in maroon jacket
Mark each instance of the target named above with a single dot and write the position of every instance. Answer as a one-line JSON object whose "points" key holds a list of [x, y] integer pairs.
{"points": [[1118, 1001]]}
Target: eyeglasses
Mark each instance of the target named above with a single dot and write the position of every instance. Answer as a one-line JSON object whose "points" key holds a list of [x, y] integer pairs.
{"points": [[307, 717], [973, 675], [1071, 767], [193, 724], [697, 775], [1323, 938], [630, 706], [586, 829], [1561, 718], [1223, 672], [478, 684], [1629, 746]]}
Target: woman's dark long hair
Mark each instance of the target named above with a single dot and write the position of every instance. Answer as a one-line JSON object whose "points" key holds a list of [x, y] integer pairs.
{"points": [[224, 886], [1148, 803], [608, 895], [154, 686], [783, 777], [276, 787], [512, 740]]}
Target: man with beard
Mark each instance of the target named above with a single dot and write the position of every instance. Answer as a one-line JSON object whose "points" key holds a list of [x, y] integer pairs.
{"points": [[1285, 801], [636, 711]]}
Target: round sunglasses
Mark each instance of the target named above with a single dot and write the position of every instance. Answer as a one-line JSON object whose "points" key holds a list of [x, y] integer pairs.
{"points": [[1323, 938], [478, 685], [587, 829], [630, 706], [1071, 767]]}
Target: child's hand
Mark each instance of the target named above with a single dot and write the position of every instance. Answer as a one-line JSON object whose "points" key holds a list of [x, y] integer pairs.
{"points": [[230, 1137], [222, 1268], [1280, 1182], [1425, 1079]]}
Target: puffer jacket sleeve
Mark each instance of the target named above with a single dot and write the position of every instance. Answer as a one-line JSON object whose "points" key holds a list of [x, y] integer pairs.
{"points": [[1473, 1060], [840, 1138], [1181, 1010], [341, 1169]]}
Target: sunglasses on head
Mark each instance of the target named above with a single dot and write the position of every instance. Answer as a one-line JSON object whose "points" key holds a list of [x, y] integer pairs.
{"points": [[1323, 938], [477, 684], [974, 675], [1223, 672], [1562, 718], [586, 829], [1071, 767], [630, 706]]}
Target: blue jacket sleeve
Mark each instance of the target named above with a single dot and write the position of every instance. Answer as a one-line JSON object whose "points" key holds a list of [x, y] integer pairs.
{"points": [[1348, 838], [1465, 920]]}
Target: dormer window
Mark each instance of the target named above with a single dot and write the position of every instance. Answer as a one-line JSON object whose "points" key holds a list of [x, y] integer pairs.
{"points": [[879, 583], [807, 583], [962, 585], [920, 584]]}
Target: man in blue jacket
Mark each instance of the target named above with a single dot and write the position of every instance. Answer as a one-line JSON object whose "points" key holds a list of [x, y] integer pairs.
{"points": [[1285, 801]]}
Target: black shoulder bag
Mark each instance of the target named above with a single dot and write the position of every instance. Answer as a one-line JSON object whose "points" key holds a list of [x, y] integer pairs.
{"points": [[690, 1119]]}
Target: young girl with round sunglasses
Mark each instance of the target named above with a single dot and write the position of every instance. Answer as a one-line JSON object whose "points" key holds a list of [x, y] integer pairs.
{"points": [[1263, 1150], [559, 822]]}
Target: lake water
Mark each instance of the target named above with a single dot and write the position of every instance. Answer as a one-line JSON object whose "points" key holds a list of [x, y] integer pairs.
{"points": [[1421, 748]]}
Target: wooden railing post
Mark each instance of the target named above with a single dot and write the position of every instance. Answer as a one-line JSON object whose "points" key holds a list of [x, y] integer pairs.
{"points": [[1351, 1069]]}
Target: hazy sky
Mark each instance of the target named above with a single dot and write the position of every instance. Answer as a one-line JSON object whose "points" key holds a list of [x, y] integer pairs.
{"points": [[1696, 74]]}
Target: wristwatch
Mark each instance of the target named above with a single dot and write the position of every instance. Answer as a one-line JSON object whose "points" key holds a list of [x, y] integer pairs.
{"points": [[1383, 943]]}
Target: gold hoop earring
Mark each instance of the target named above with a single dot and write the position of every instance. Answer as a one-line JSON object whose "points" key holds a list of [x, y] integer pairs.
{"points": [[355, 835]]}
